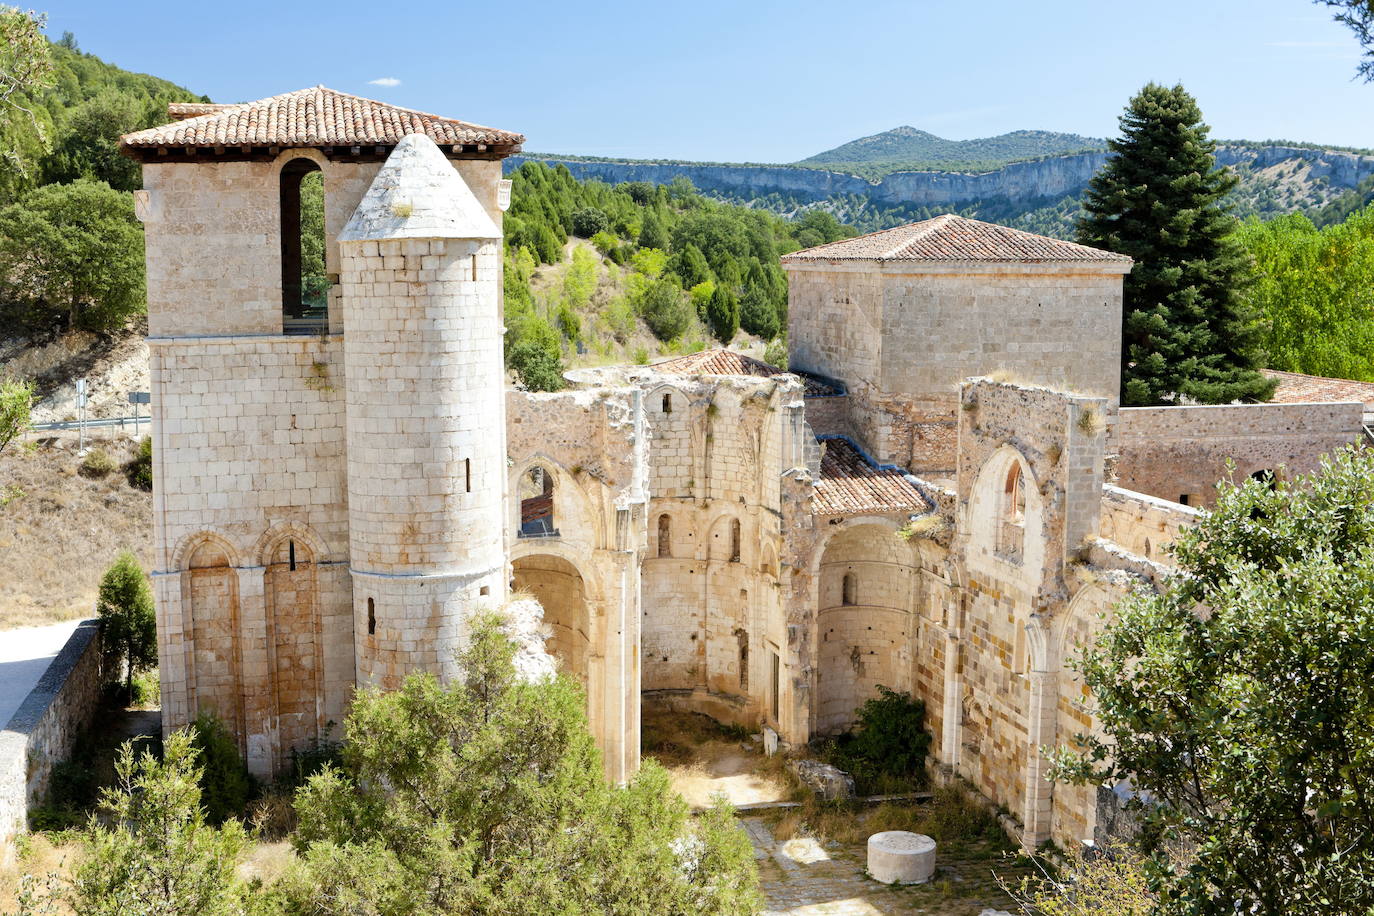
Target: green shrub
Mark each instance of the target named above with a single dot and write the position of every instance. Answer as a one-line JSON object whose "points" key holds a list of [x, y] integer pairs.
{"points": [[97, 463], [664, 309], [225, 785], [539, 368], [589, 221], [128, 622], [887, 750], [147, 689], [139, 471]]}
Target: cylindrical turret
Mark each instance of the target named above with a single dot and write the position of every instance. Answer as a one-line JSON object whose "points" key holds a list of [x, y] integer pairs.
{"points": [[424, 378]]}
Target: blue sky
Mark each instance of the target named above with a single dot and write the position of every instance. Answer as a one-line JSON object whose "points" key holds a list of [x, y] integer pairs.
{"points": [[759, 80]]}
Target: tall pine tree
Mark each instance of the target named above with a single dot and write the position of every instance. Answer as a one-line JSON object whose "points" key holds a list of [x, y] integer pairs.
{"points": [[1186, 332]]}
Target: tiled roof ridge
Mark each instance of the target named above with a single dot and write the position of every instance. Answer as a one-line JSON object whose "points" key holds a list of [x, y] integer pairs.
{"points": [[356, 113], [951, 237]]}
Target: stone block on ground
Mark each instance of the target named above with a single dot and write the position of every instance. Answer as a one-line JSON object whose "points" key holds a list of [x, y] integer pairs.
{"points": [[827, 781]]}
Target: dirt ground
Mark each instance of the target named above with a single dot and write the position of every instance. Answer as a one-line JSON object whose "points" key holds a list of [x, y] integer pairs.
{"points": [[59, 530]]}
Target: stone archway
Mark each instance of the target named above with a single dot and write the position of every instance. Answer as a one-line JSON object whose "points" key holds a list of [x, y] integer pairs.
{"points": [[558, 586], [865, 620]]}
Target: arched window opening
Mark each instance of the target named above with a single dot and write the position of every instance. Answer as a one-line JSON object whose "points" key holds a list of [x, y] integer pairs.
{"points": [[371, 617], [304, 283], [734, 540], [849, 589], [1012, 515], [665, 536], [667, 403], [536, 504]]}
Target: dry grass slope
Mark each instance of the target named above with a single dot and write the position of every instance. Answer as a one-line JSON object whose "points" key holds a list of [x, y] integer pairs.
{"points": [[60, 530]]}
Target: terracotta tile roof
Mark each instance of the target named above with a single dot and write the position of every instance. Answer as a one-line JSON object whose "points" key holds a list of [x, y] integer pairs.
{"points": [[850, 485], [180, 111], [1308, 389], [312, 117], [954, 238], [721, 361]]}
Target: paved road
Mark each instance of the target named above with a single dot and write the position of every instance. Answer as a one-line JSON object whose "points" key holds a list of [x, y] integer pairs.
{"points": [[24, 655]]}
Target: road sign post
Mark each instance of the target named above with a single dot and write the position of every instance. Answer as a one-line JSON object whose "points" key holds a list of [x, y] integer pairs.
{"points": [[136, 398], [81, 413]]}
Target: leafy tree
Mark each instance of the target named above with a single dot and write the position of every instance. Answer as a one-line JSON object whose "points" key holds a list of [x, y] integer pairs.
{"points": [[1240, 700], [486, 795], [76, 249], [88, 146], [16, 405], [756, 312], [152, 851], [538, 365], [1312, 289], [25, 69], [605, 242], [128, 623], [722, 314], [664, 309], [588, 221], [691, 267], [650, 262], [1186, 332], [1109, 882], [579, 282], [651, 233], [701, 296]]}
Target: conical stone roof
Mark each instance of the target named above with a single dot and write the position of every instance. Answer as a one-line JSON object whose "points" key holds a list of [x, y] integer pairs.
{"points": [[418, 194]]}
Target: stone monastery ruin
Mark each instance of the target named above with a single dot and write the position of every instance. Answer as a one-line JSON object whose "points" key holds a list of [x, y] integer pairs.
{"points": [[935, 500]]}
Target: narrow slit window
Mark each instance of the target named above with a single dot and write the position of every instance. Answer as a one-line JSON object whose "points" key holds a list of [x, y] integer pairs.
{"points": [[667, 403], [775, 688], [743, 641], [734, 541], [371, 617], [474, 268], [467, 473], [665, 536], [291, 554], [849, 589]]}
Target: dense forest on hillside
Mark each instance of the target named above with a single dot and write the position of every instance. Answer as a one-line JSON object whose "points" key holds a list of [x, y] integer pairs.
{"points": [[909, 149], [668, 259], [76, 123]]}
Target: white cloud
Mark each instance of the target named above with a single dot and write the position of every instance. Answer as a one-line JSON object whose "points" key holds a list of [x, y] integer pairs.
{"points": [[387, 81]]}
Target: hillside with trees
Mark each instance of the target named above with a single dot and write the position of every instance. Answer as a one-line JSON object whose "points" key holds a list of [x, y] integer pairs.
{"points": [[664, 270]]}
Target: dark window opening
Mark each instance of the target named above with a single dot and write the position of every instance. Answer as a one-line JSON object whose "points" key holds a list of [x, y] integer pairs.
{"points": [[742, 637], [1183, 500], [667, 403], [484, 591], [776, 686], [734, 540], [849, 589], [291, 554], [467, 473], [304, 283], [371, 617], [536, 504], [474, 268], [665, 536]]}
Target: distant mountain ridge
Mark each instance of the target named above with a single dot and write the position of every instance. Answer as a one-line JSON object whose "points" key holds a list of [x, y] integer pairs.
{"points": [[1039, 193], [910, 149]]}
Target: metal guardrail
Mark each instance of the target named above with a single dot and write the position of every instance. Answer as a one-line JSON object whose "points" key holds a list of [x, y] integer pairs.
{"points": [[89, 424]]}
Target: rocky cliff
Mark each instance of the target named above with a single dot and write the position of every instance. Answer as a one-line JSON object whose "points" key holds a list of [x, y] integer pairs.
{"points": [[1034, 181]]}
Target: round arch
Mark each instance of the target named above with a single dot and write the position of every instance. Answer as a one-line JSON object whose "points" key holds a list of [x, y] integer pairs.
{"points": [[559, 587], [867, 581], [190, 545], [1006, 510]]}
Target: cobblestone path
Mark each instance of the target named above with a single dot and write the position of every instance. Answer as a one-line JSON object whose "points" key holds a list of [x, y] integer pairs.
{"points": [[802, 877]]}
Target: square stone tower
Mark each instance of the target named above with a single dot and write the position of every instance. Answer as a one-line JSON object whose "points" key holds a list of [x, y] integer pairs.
{"points": [[904, 315], [298, 419]]}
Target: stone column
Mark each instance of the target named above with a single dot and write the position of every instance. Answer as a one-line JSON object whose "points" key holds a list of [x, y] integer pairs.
{"points": [[1041, 711]]}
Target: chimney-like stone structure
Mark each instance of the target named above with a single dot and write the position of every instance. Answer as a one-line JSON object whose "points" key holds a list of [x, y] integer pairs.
{"points": [[425, 413]]}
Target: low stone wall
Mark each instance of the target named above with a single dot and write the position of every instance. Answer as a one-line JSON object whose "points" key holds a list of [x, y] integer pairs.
{"points": [[1143, 524], [1179, 453], [44, 729]]}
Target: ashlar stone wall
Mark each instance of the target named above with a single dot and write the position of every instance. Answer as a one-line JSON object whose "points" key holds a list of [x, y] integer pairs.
{"points": [[1179, 453]]}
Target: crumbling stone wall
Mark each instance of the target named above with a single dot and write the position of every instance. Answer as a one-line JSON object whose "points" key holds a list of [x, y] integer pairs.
{"points": [[1181, 452], [1143, 524]]}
